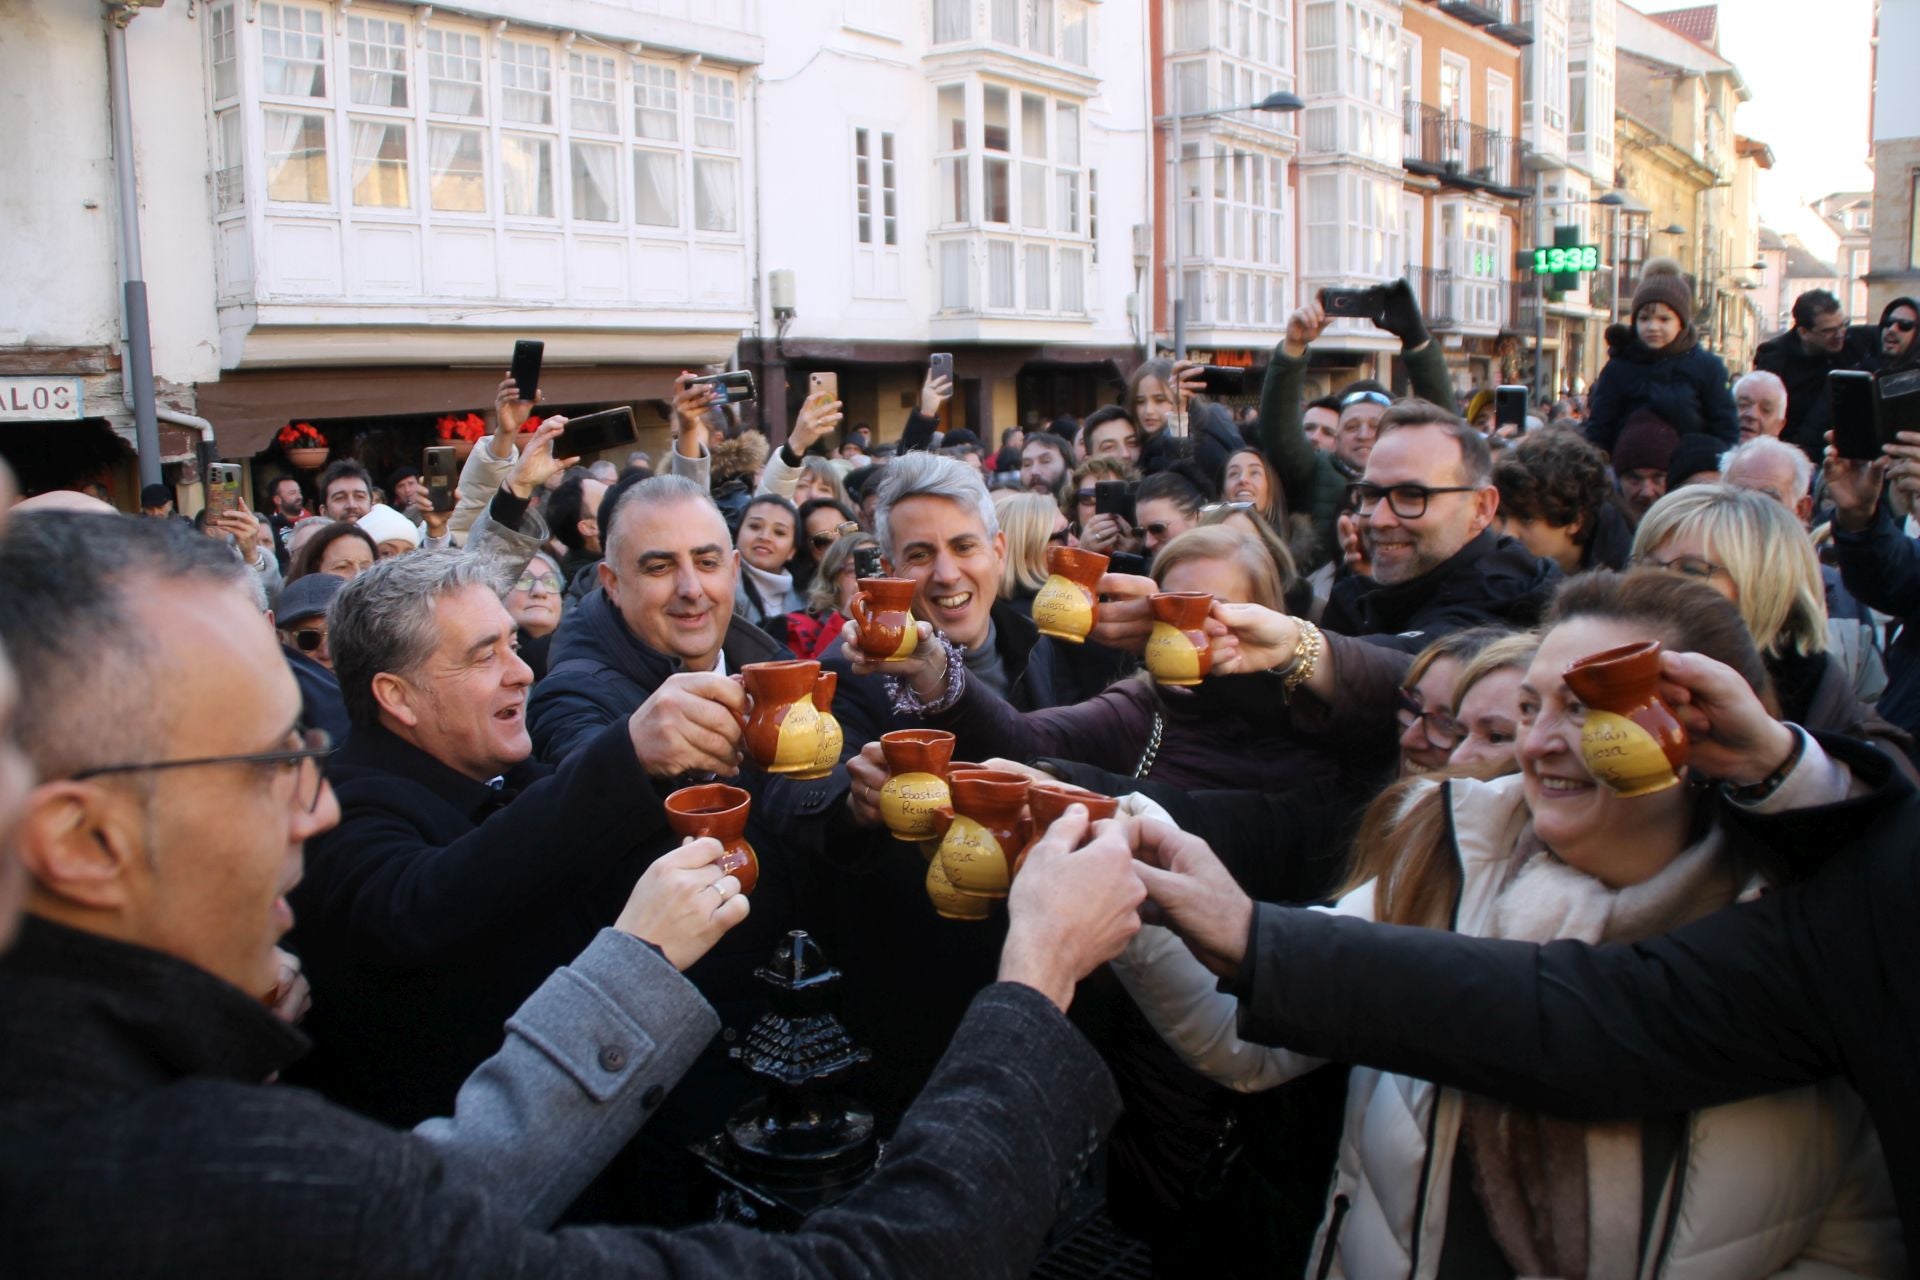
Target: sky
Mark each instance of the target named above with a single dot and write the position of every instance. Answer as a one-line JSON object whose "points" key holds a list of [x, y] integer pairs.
{"points": [[1809, 65]]}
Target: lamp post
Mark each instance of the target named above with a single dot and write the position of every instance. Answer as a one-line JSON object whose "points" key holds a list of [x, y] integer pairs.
{"points": [[1277, 101]]}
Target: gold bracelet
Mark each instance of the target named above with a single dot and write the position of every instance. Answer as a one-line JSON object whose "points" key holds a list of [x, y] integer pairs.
{"points": [[1306, 658]]}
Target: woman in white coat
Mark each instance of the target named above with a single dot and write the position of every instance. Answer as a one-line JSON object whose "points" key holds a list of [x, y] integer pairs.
{"points": [[1433, 1183]]}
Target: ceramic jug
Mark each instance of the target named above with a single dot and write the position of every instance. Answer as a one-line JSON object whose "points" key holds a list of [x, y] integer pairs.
{"points": [[1047, 801], [1069, 601], [916, 786], [827, 755], [883, 611], [951, 902], [983, 829], [783, 730], [718, 810], [1178, 650], [1630, 739]]}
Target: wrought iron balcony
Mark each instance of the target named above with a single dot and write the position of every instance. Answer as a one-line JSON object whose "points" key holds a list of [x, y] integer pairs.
{"points": [[1434, 288], [1461, 153], [1484, 13]]}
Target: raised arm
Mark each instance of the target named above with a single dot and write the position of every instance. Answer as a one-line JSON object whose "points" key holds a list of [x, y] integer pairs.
{"points": [[1283, 437]]}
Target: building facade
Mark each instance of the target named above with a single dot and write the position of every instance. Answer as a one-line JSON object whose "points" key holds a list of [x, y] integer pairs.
{"points": [[1894, 248]]}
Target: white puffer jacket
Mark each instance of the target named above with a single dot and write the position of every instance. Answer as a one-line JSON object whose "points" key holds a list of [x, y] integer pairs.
{"points": [[1791, 1184]]}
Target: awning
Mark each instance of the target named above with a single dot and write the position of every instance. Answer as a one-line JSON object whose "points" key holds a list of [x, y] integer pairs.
{"points": [[247, 406]]}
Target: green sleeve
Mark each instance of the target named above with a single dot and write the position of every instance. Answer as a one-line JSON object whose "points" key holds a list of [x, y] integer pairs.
{"points": [[1428, 377], [1283, 437]]}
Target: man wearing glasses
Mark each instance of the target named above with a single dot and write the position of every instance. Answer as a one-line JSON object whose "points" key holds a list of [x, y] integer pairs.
{"points": [[1425, 508], [142, 1132], [1802, 357], [1898, 321], [1314, 479]]}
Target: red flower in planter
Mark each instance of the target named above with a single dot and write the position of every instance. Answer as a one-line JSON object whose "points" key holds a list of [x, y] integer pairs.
{"points": [[470, 426], [300, 435]]}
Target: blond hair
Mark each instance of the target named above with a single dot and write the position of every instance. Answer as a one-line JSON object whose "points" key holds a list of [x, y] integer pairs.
{"points": [[1230, 546], [1027, 520], [1763, 549], [1508, 653]]}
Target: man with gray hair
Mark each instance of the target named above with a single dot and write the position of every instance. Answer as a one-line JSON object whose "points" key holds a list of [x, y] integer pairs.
{"points": [[1767, 465], [463, 872], [1760, 400]]}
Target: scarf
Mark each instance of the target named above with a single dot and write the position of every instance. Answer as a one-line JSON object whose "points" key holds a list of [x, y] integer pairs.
{"points": [[770, 593], [1563, 1198]]}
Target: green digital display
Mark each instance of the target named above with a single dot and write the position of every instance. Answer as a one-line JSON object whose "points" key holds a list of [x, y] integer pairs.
{"points": [[1564, 259]]}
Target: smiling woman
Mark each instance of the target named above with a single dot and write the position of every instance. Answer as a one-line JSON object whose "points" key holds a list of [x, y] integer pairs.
{"points": [[1544, 855]]}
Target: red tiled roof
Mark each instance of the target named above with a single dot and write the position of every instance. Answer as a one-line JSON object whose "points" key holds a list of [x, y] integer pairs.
{"points": [[1700, 24]]}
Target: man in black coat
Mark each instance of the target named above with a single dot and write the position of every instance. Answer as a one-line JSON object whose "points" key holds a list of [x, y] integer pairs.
{"points": [[138, 1133], [462, 872], [1426, 507], [300, 616], [1818, 343]]}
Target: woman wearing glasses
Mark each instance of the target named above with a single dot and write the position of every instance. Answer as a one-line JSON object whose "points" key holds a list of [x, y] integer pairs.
{"points": [[822, 523], [1032, 522], [812, 631], [1753, 551], [1431, 1181], [537, 600]]}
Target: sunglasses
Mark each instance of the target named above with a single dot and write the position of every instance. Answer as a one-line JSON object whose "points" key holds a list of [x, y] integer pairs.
{"points": [[1904, 326], [826, 538], [1365, 397], [1060, 537], [308, 639]]}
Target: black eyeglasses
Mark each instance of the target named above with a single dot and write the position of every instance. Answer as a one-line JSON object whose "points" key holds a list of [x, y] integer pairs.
{"points": [[315, 746], [1083, 495], [1408, 501], [1060, 537], [308, 639], [1158, 529], [1904, 326], [1441, 729]]}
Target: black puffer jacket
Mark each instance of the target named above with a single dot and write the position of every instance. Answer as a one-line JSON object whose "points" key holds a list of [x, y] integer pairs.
{"points": [[1492, 580], [1683, 383], [1214, 439]]}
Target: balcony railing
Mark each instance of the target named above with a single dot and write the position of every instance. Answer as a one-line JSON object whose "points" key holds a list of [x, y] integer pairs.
{"points": [[1451, 301], [1438, 143], [1434, 288]]}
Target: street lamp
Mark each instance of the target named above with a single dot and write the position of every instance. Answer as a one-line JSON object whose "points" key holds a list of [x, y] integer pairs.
{"points": [[1279, 100]]}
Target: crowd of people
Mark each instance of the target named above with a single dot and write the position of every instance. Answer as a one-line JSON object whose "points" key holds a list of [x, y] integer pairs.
{"points": [[346, 930]]}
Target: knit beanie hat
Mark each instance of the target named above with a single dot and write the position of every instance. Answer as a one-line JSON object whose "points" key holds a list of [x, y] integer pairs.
{"points": [[1646, 443], [1661, 281]]}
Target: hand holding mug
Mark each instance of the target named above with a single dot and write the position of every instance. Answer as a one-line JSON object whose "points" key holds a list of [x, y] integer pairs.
{"points": [[684, 903], [1729, 733], [690, 724], [1126, 616]]}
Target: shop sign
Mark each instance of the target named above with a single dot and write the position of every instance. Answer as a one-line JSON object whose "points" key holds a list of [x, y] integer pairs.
{"points": [[40, 399]]}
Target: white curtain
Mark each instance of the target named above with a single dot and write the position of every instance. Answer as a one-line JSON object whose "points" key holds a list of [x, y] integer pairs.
{"points": [[368, 138], [595, 170], [455, 173], [526, 176], [292, 167], [714, 199], [952, 20], [656, 190]]}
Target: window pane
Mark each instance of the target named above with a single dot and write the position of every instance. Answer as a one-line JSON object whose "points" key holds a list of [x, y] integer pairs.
{"points": [[224, 49], [862, 188], [889, 192], [999, 180], [1033, 197], [1073, 280], [457, 170], [713, 112], [596, 169], [1073, 37], [293, 51], [1037, 278], [230, 184], [453, 74], [953, 276], [656, 188], [1006, 25], [1000, 273], [377, 62], [1040, 26], [656, 103], [1033, 126], [952, 134], [594, 93], [999, 132], [526, 83], [715, 194], [1066, 202], [296, 157], [1066, 129], [954, 205], [952, 20], [526, 175], [380, 164]]}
